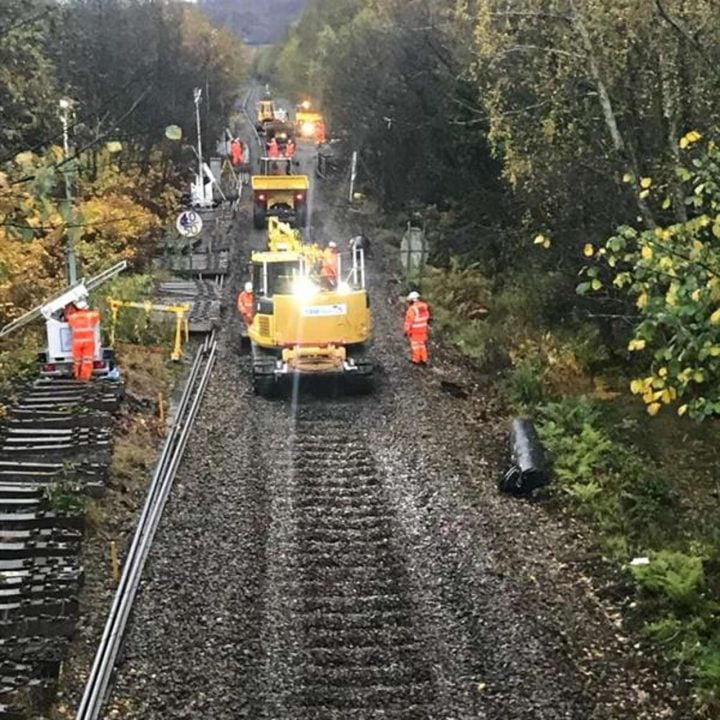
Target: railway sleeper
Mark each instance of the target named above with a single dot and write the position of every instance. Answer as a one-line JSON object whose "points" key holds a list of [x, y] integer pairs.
{"points": [[371, 696], [33, 550], [408, 712], [336, 536], [38, 608], [394, 641], [45, 627], [328, 621], [390, 672], [356, 603], [39, 520], [342, 523]]}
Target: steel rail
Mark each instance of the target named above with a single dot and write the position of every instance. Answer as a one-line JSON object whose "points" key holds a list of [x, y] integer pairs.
{"points": [[96, 688], [248, 117]]}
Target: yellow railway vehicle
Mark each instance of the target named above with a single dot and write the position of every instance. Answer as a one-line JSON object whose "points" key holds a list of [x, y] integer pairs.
{"points": [[281, 196], [282, 236], [301, 328], [265, 112], [307, 121]]}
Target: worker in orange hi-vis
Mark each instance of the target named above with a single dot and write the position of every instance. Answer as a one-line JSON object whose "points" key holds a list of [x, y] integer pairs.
{"points": [[236, 152], [289, 154], [417, 318], [273, 149], [329, 266], [246, 303], [83, 324], [319, 132]]}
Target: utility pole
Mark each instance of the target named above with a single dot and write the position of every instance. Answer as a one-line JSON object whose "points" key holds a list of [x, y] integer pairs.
{"points": [[65, 110], [201, 184]]}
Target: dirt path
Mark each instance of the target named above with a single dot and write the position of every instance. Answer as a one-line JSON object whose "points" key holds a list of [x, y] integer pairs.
{"points": [[349, 558]]}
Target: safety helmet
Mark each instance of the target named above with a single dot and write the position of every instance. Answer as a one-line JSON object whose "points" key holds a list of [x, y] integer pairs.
{"points": [[248, 287], [332, 244], [81, 305], [413, 296]]}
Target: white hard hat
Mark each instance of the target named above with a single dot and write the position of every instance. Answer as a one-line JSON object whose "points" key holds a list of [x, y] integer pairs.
{"points": [[248, 287], [81, 305], [332, 244], [414, 295]]}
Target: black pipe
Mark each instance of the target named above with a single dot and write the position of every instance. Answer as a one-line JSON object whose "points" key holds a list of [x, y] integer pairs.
{"points": [[529, 468]]}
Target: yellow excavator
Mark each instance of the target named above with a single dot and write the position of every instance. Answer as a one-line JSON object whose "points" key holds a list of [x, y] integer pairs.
{"points": [[264, 112], [303, 326]]}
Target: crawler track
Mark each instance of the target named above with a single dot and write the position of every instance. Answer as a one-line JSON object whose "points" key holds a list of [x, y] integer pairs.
{"points": [[363, 651]]}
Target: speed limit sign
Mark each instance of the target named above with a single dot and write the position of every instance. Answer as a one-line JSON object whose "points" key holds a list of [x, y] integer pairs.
{"points": [[189, 223]]}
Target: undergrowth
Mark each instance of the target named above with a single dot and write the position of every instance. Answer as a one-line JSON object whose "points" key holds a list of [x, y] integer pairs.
{"points": [[639, 522], [646, 514]]}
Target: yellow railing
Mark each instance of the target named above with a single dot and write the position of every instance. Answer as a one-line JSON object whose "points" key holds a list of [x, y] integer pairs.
{"points": [[181, 313]]}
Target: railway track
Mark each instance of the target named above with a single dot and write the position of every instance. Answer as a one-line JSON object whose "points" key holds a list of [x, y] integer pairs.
{"points": [[98, 682], [359, 648], [55, 443]]}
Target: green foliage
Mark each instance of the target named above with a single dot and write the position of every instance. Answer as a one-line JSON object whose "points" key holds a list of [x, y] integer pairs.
{"points": [[525, 385], [134, 325], [632, 506], [676, 575], [19, 358], [673, 273], [28, 83], [65, 498], [622, 492]]}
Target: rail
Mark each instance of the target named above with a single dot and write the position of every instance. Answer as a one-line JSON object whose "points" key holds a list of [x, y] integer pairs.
{"points": [[98, 682], [249, 118]]}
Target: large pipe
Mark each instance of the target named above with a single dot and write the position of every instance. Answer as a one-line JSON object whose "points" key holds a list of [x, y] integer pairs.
{"points": [[529, 468]]}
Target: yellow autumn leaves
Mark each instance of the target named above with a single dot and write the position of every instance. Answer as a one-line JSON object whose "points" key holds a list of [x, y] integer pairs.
{"points": [[654, 391], [689, 139]]}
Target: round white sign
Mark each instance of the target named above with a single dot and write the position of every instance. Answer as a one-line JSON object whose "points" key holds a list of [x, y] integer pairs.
{"points": [[189, 223]]}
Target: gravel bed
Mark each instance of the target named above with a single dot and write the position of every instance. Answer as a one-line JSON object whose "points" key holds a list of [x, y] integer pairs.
{"points": [[349, 557]]}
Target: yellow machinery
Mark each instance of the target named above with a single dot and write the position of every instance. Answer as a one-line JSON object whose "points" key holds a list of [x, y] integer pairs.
{"points": [[282, 196], [265, 112], [181, 313], [307, 120], [301, 328], [282, 236]]}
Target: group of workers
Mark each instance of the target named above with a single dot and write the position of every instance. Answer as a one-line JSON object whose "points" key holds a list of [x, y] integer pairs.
{"points": [[284, 149]]}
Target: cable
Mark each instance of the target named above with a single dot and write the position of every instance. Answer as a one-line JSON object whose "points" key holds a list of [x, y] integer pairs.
{"points": [[52, 138], [50, 228], [87, 146]]}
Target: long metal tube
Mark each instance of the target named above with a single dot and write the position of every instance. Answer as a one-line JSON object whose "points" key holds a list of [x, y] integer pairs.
{"points": [[98, 681]]}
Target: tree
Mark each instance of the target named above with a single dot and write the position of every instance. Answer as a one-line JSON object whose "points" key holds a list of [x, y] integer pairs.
{"points": [[28, 88], [672, 272]]}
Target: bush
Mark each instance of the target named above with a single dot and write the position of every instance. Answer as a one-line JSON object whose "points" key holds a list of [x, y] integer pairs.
{"points": [[674, 576], [525, 385], [133, 325]]}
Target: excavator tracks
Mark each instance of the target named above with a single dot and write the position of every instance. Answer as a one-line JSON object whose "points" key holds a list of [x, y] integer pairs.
{"points": [[360, 652]]}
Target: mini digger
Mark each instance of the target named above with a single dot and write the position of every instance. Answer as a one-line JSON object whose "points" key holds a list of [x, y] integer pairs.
{"points": [[302, 327]]}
